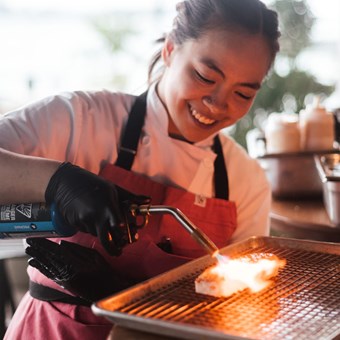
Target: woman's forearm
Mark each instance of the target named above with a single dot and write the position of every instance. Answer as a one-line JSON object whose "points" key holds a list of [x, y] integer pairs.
{"points": [[24, 178]]}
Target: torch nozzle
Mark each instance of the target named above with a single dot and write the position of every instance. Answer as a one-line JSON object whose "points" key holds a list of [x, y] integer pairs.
{"points": [[197, 234]]}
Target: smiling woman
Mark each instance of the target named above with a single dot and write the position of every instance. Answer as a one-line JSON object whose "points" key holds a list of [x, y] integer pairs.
{"points": [[96, 154], [214, 92]]}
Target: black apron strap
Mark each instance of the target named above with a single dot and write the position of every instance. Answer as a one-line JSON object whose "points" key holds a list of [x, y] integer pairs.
{"points": [[129, 143], [45, 293], [220, 173]]}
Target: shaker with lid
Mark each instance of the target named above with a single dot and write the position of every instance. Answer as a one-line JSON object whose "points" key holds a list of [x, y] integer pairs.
{"points": [[282, 133], [317, 127]]}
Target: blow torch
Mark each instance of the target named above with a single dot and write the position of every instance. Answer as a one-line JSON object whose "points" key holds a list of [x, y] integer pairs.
{"points": [[40, 220]]}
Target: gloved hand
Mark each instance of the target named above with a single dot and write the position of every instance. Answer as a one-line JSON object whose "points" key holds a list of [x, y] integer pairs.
{"points": [[91, 204], [80, 270]]}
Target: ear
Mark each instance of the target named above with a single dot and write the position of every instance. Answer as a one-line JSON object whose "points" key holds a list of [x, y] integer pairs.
{"points": [[167, 50]]}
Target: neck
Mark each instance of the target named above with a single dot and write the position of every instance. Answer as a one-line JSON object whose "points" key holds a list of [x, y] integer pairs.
{"points": [[179, 137]]}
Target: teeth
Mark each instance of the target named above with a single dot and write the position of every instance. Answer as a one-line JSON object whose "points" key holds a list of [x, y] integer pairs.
{"points": [[202, 119]]}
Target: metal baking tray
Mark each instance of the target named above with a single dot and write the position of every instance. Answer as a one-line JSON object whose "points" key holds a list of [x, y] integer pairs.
{"points": [[293, 175], [328, 166], [302, 303]]}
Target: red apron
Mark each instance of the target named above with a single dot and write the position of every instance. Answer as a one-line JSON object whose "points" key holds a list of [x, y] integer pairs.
{"points": [[36, 319]]}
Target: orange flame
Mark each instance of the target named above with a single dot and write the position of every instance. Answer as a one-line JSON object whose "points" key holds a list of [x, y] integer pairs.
{"points": [[252, 271]]}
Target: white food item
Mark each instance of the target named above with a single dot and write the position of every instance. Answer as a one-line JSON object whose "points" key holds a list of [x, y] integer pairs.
{"points": [[210, 283], [253, 271]]}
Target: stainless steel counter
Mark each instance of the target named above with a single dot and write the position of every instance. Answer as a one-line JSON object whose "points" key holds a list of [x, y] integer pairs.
{"points": [[303, 219]]}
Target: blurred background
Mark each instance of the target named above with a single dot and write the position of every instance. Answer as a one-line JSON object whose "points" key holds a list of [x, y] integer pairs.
{"points": [[59, 45]]}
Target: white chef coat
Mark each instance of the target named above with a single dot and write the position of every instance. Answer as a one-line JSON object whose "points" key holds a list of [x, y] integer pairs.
{"points": [[84, 128]]}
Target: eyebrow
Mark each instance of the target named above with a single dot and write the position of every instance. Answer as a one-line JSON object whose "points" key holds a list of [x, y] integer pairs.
{"points": [[254, 86], [211, 64]]}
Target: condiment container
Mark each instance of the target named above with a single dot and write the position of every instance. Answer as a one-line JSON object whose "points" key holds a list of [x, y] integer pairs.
{"points": [[282, 133], [317, 127]]}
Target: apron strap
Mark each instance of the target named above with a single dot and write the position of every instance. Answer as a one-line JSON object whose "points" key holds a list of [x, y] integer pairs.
{"points": [[129, 144], [220, 173], [44, 293]]}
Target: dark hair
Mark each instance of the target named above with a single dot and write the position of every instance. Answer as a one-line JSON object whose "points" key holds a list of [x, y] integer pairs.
{"points": [[194, 17]]}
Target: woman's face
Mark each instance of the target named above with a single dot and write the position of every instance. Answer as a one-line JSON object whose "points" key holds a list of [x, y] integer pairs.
{"points": [[210, 83]]}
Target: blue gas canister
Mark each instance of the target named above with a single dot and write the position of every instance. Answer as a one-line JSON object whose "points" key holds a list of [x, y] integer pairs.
{"points": [[32, 220]]}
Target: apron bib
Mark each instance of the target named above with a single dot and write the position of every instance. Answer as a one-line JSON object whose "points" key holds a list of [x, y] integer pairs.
{"points": [[145, 258]]}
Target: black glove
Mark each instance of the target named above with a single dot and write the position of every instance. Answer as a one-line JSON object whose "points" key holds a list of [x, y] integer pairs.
{"points": [[94, 205], [80, 270]]}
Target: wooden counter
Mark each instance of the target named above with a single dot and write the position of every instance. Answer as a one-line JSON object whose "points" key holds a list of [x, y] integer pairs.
{"points": [[303, 219]]}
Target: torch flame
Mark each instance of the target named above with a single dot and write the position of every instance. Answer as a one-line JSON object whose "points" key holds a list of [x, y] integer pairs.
{"points": [[252, 271]]}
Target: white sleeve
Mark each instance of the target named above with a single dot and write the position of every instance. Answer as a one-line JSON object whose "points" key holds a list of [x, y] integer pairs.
{"points": [[44, 128], [250, 190], [79, 127]]}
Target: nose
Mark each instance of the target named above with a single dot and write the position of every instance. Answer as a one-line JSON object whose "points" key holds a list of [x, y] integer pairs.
{"points": [[214, 104]]}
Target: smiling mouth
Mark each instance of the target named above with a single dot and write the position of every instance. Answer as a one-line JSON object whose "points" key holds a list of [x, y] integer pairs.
{"points": [[200, 118]]}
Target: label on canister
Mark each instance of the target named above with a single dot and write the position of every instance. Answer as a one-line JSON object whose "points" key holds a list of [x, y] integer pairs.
{"points": [[26, 220], [24, 212]]}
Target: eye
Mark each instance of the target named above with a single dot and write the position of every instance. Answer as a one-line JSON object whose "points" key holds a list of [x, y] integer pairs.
{"points": [[243, 96], [203, 79]]}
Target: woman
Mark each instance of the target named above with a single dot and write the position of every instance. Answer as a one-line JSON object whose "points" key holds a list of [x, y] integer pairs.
{"points": [[166, 145]]}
